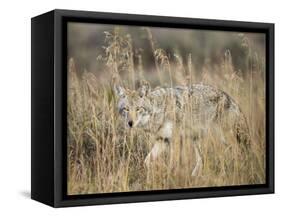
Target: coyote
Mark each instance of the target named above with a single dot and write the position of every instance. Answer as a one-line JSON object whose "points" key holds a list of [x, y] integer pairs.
{"points": [[201, 107]]}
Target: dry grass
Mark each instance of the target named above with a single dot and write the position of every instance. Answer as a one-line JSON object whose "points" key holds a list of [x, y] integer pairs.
{"points": [[103, 156]]}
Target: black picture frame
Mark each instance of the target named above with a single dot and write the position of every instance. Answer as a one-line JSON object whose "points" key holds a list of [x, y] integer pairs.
{"points": [[49, 76]]}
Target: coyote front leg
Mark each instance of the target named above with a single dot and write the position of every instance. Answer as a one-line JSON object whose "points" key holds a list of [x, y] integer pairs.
{"points": [[158, 148], [161, 144]]}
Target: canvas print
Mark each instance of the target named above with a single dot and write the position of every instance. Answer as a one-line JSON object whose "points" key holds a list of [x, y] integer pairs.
{"points": [[152, 108]]}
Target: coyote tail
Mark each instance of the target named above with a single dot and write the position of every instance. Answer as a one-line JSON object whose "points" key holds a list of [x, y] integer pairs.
{"points": [[242, 132]]}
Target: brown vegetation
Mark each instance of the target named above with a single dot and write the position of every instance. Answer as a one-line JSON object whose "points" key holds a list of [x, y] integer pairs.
{"points": [[103, 156]]}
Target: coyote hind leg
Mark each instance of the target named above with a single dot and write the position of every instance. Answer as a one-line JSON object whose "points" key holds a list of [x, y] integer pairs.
{"points": [[198, 164]]}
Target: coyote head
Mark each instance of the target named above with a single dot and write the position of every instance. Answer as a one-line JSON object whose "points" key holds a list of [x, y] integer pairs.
{"points": [[134, 106]]}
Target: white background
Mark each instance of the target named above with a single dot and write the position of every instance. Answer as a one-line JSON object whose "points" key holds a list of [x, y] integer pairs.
{"points": [[15, 107]]}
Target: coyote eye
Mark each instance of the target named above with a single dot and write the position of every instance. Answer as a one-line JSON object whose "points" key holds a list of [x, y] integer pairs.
{"points": [[138, 109], [125, 109]]}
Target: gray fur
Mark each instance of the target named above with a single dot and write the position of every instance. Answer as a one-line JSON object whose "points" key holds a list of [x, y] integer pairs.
{"points": [[201, 107]]}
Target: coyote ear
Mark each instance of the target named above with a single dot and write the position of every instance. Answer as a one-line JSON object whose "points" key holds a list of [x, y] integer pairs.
{"points": [[119, 91], [144, 88]]}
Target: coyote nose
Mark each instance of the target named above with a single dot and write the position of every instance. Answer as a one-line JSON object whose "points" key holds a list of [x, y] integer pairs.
{"points": [[130, 123]]}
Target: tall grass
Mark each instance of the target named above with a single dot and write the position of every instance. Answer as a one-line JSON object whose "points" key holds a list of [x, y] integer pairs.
{"points": [[105, 156]]}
